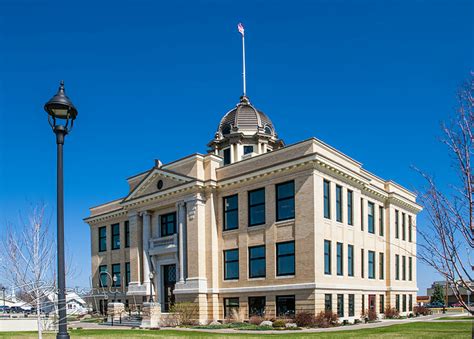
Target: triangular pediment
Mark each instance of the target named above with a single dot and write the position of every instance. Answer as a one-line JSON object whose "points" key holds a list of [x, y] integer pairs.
{"points": [[156, 181]]}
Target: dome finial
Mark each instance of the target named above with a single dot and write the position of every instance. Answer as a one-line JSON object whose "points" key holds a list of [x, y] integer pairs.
{"points": [[244, 100]]}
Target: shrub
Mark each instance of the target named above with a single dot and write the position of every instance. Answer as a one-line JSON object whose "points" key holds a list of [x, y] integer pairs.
{"points": [[326, 319], [372, 315], [187, 313], [279, 323], [421, 310], [304, 319], [256, 320], [391, 313]]}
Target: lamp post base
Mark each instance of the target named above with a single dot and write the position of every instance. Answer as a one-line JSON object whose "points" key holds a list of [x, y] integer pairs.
{"points": [[62, 336]]}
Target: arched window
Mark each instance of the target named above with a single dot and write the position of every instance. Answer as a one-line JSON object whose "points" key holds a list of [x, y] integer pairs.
{"points": [[226, 129]]}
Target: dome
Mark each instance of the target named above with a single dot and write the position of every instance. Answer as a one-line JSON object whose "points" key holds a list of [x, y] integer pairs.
{"points": [[246, 119]]}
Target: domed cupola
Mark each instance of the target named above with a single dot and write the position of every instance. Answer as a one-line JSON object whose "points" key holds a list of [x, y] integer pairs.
{"points": [[243, 132]]}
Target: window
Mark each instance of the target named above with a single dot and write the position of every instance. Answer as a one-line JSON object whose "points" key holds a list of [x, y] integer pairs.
{"points": [[127, 273], [381, 226], [116, 274], [338, 203], [381, 266], [285, 200], [286, 258], [404, 304], [327, 257], [403, 226], [231, 305], [350, 260], [127, 233], [327, 199], [396, 224], [340, 305], [370, 217], [103, 276], [351, 305], [361, 214], [382, 304], [410, 228], [397, 302], [340, 265], [115, 236], [248, 149], [285, 305], [397, 267], [256, 201], [363, 303], [168, 224], [257, 262], [404, 268], [371, 265], [410, 268], [362, 260], [102, 239], [231, 212], [256, 306], [226, 156], [350, 202], [231, 264], [410, 302], [328, 302]]}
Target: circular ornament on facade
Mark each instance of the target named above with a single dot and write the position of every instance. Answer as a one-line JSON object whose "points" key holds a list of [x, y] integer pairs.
{"points": [[159, 184]]}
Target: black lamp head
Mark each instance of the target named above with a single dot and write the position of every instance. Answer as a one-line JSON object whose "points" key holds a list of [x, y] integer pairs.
{"points": [[60, 106]]}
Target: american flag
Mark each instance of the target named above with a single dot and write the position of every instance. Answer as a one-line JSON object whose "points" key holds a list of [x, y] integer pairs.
{"points": [[240, 27]]}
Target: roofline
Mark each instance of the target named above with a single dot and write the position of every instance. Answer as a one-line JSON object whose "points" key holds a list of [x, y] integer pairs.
{"points": [[105, 203]]}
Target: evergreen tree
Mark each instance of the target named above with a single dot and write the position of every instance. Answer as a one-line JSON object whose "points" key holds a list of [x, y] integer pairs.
{"points": [[438, 294]]}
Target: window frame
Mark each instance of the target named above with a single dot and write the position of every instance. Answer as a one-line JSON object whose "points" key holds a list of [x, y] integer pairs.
{"points": [[350, 207], [226, 156], [371, 264], [227, 308], [127, 273], [103, 273], [230, 262], [257, 298], [278, 299], [381, 266], [397, 267], [278, 199], [257, 259], [102, 237], [361, 214], [370, 217], [382, 303], [117, 283], [404, 268], [126, 232], [339, 259], [327, 254], [339, 209], [327, 198], [164, 224], [340, 305], [362, 263], [410, 228], [115, 232], [226, 211], [410, 269], [404, 217], [351, 305], [350, 260], [397, 224], [381, 221], [251, 206], [328, 301], [278, 256]]}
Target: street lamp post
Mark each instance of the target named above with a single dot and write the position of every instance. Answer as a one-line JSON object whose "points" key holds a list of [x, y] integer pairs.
{"points": [[61, 116], [115, 286], [3, 290], [151, 275]]}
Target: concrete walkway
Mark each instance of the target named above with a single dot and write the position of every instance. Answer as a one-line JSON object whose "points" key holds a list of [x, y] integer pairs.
{"points": [[382, 323]]}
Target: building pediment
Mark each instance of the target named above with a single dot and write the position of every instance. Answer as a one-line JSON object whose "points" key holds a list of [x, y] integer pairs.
{"points": [[156, 181]]}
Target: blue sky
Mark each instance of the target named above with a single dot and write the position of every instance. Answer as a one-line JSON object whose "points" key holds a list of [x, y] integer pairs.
{"points": [[152, 80]]}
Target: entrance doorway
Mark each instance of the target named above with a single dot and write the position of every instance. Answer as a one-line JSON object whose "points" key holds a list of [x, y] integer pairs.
{"points": [[372, 302], [169, 280]]}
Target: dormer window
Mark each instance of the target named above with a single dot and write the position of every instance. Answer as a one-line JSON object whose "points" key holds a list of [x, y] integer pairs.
{"points": [[226, 154], [226, 129], [248, 149], [268, 130]]}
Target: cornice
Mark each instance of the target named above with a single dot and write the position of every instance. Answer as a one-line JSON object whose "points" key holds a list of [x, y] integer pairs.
{"points": [[105, 217]]}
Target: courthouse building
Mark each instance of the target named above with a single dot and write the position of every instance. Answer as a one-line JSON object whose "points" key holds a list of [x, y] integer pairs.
{"points": [[259, 227]]}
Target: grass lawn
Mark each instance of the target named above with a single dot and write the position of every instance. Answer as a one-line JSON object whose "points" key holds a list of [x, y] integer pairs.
{"points": [[411, 330], [456, 318]]}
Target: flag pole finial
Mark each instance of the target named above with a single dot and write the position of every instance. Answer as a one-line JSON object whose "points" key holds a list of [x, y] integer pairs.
{"points": [[240, 27]]}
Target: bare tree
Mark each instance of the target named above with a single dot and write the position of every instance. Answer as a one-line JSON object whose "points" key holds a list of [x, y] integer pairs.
{"points": [[27, 260], [448, 239]]}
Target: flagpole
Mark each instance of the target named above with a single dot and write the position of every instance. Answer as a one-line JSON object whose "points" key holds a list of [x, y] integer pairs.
{"points": [[243, 63]]}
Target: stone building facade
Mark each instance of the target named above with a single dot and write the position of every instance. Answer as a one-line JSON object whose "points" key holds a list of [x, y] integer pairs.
{"points": [[257, 227]]}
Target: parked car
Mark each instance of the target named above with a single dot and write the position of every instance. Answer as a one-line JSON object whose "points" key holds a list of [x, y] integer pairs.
{"points": [[435, 304], [5, 309]]}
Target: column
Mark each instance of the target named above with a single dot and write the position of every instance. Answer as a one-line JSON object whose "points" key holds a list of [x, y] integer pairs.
{"points": [[181, 238], [146, 244]]}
